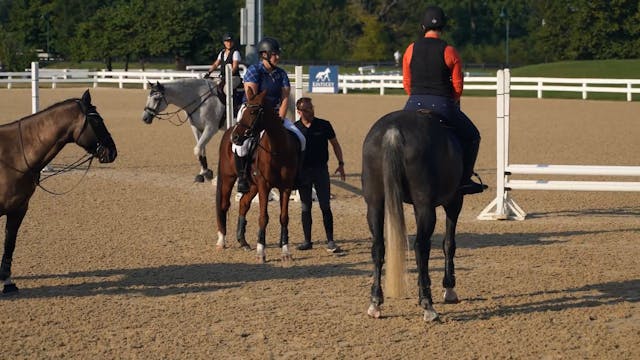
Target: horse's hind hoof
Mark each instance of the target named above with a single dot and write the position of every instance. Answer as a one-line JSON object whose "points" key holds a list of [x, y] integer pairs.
{"points": [[10, 289], [199, 178], [431, 316], [374, 311], [450, 296], [208, 175]]}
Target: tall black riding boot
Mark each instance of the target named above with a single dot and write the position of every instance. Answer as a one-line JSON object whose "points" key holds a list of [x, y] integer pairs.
{"points": [[241, 169], [469, 154]]}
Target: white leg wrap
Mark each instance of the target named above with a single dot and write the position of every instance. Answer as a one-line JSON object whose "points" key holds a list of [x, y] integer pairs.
{"points": [[285, 249], [260, 250], [221, 240]]}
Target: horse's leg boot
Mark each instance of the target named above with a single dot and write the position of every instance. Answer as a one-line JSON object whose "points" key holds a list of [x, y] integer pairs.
{"points": [[241, 169], [470, 154]]}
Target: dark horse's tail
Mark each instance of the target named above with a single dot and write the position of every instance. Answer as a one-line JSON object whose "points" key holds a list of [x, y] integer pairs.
{"points": [[396, 234]]}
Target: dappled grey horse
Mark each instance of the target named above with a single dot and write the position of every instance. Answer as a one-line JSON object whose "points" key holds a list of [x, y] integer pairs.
{"points": [[198, 99]]}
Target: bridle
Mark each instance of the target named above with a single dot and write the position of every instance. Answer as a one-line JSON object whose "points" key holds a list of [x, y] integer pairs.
{"points": [[91, 117], [250, 130], [170, 115]]}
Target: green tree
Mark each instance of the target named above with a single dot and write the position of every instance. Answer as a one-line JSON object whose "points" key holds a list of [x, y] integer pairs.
{"points": [[14, 54]]}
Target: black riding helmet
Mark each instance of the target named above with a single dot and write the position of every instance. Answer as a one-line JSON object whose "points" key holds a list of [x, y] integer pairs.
{"points": [[269, 45], [434, 19], [226, 37]]}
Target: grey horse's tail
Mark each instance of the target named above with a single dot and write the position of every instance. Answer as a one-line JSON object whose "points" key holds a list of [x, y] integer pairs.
{"points": [[395, 230]]}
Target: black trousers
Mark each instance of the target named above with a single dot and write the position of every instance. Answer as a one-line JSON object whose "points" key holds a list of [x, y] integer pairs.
{"points": [[317, 177]]}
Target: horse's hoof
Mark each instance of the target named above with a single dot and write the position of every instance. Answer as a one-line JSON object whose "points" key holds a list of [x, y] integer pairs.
{"points": [[261, 259], [208, 174], [450, 296], [430, 315], [10, 289], [199, 178], [220, 247], [244, 246], [374, 311]]}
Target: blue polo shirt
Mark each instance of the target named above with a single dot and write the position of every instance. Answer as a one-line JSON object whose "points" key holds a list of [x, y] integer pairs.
{"points": [[273, 82]]}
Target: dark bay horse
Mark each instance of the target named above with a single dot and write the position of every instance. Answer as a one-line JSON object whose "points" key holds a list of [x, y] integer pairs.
{"points": [[410, 157], [274, 165], [27, 145], [199, 99]]}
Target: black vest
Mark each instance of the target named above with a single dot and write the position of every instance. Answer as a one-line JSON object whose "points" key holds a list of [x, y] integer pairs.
{"points": [[228, 60], [429, 73]]}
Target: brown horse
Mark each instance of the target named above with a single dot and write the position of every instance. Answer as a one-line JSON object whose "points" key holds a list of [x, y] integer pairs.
{"points": [[27, 145], [274, 165]]}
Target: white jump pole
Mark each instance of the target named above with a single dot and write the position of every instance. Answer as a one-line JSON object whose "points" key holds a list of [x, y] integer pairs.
{"points": [[35, 94]]}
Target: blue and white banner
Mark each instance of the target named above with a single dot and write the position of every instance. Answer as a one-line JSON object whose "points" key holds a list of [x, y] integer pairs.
{"points": [[323, 79]]}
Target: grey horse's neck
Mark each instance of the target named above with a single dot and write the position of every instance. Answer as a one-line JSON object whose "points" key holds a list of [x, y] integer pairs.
{"points": [[188, 92]]}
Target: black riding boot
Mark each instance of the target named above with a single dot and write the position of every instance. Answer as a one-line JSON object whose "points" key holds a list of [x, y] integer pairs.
{"points": [[470, 153], [241, 169]]}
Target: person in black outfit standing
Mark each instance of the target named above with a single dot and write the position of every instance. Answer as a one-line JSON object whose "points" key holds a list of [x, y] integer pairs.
{"points": [[315, 171]]}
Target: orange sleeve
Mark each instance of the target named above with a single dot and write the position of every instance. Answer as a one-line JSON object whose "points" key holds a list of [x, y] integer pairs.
{"points": [[454, 62], [406, 69]]}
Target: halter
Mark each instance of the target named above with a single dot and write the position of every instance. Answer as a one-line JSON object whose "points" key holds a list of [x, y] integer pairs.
{"points": [[169, 115]]}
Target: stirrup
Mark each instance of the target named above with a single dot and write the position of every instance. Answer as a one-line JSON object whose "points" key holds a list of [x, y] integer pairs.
{"points": [[472, 187]]}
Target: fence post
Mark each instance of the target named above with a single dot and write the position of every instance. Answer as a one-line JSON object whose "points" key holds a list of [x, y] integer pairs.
{"points": [[299, 89], [35, 96], [228, 78]]}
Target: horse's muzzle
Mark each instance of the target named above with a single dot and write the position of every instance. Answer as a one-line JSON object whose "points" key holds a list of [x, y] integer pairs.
{"points": [[106, 154], [147, 116]]}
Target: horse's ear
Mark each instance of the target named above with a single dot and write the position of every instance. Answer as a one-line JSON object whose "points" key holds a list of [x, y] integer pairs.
{"points": [[86, 97]]}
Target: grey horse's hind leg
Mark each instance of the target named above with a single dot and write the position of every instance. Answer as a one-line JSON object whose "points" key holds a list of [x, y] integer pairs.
{"points": [[205, 172]]}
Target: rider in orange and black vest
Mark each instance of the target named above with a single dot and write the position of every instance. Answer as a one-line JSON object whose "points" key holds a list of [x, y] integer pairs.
{"points": [[432, 76]]}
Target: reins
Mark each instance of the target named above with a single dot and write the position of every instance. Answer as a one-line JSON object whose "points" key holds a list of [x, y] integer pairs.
{"points": [[36, 179]]}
